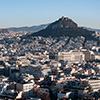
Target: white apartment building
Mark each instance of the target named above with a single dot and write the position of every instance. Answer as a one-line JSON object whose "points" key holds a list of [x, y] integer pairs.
{"points": [[72, 56]]}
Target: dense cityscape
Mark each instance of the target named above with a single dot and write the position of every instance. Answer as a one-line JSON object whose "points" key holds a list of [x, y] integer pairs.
{"points": [[49, 68]]}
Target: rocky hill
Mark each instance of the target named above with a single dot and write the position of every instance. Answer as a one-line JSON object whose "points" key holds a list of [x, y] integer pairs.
{"points": [[64, 27]]}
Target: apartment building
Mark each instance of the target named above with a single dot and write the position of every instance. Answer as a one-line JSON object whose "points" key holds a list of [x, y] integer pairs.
{"points": [[72, 56]]}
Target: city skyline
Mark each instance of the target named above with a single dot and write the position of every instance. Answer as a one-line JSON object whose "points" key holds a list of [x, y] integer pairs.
{"points": [[28, 13]]}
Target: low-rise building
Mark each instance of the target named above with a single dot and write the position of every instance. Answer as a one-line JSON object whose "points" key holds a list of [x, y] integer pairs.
{"points": [[95, 84], [27, 88]]}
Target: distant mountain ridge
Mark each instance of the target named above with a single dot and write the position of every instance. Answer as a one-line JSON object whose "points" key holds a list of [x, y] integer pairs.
{"points": [[92, 29], [28, 29], [64, 27]]}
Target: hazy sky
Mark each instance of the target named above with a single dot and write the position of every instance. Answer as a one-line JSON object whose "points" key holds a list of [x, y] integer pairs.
{"points": [[16, 13]]}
